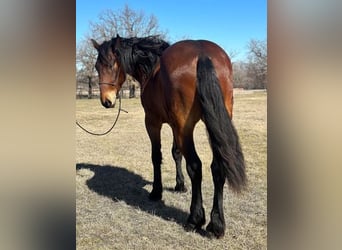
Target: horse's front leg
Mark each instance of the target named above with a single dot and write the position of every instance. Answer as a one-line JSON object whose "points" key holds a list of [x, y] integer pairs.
{"points": [[153, 128]]}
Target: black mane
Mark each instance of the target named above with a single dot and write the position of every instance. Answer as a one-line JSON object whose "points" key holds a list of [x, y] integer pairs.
{"points": [[138, 56]]}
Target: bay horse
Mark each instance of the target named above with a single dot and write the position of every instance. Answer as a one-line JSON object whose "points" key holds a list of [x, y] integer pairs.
{"points": [[180, 85]]}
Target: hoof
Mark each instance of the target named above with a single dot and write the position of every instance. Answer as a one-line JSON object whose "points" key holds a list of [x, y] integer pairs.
{"points": [[180, 188], [195, 223], [190, 227], [215, 231]]}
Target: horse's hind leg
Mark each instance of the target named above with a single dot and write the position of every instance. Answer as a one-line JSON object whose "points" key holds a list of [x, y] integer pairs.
{"points": [[153, 129], [177, 156], [196, 218], [217, 225]]}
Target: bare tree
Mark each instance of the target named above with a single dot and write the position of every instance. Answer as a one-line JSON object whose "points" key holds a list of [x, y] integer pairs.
{"points": [[127, 23], [85, 70], [233, 53], [241, 79], [257, 65]]}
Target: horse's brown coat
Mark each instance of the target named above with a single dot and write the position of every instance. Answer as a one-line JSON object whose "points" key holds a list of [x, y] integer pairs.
{"points": [[180, 84]]}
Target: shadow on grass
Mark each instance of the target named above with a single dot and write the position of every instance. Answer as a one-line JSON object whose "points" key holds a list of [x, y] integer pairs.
{"points": [[119, 184]]}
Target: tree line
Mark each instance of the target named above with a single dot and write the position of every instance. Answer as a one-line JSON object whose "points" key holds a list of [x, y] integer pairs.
{"points": [[252, 73], [249, 74]]}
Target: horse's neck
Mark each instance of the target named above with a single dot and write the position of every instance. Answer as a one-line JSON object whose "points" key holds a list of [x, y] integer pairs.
{"points": [[144, 78]]}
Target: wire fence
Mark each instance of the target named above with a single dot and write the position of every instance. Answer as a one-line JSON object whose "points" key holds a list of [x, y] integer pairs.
{"points": [[127, 91]]}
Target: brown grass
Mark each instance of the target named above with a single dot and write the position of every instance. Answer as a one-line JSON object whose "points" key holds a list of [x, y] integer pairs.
{"points": [[114, 175]]}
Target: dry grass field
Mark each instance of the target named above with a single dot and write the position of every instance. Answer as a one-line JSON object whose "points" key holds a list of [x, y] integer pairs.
{"points": [[114, 174]]}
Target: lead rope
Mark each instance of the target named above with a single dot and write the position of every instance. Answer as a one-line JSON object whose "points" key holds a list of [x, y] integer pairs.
{"points": [[116, 119]]}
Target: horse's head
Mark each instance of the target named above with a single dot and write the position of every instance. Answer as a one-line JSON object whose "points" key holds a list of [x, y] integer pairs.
{"points": [[110, 71]]}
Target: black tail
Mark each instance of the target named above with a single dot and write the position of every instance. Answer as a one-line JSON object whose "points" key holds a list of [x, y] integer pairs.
{"points": [[222, 134]]}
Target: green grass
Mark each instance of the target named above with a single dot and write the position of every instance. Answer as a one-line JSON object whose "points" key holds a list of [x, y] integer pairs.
{"points": [[114, 176]]}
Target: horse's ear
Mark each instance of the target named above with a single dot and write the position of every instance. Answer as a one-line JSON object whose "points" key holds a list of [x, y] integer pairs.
{"points": [[117, 42], [95, 44]]}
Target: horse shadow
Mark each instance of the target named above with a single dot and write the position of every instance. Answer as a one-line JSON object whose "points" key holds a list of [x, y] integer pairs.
{"points": [[119, 184]]}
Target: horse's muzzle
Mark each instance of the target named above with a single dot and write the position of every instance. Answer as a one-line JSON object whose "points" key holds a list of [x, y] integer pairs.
{"points": [[108, 99], [107, 103]]}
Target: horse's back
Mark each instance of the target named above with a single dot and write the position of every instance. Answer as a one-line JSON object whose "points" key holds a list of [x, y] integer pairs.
{"points": [[187, 51], [178, 72]]}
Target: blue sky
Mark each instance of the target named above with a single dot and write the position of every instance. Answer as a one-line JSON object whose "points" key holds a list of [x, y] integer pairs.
{"points": [[229, 23]]}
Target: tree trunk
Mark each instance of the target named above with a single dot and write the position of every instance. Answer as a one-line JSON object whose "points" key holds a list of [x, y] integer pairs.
{"points": [[132, 91], [90, 88]]}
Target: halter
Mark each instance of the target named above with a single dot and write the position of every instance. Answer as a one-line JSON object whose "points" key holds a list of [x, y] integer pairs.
{"points": [[107, 83]]}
